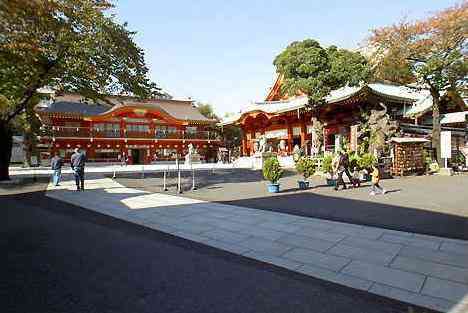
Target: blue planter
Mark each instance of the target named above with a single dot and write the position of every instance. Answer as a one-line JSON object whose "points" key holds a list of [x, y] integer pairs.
{"points": [[303, 184], [274, 188]]}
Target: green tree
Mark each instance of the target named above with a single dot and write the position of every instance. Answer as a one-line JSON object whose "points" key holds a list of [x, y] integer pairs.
{"points": [[309, 68], [71, 45], [429, 53], [207, 110]]}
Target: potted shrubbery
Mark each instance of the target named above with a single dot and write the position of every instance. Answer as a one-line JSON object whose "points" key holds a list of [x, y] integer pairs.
{"points": [[365, 162], [327, 167], [306, 167], [272, 172]]}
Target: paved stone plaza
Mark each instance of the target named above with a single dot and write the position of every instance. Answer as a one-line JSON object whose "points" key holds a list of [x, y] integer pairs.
{"points": [[431, 205], [424, 270]]}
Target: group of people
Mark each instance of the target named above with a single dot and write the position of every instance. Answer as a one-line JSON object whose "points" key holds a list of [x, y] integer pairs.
{"points": [[77, 163], [340, 166]]}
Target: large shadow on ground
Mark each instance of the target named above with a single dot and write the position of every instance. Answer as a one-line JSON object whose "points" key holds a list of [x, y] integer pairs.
{"points": [[362, 212], [204, 178]]}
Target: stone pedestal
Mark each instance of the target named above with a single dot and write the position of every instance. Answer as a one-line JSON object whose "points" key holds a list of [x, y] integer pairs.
{"points": [[446, 171], [192, 159], [259, 158]]}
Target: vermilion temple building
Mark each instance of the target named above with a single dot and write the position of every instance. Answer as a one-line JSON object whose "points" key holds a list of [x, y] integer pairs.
{"points": [[142, 131], [285, 119]]}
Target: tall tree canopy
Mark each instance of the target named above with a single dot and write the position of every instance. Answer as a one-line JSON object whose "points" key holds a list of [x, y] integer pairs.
{"points": [[207, 110], [72, 45], [430, 53], [309, 68]]}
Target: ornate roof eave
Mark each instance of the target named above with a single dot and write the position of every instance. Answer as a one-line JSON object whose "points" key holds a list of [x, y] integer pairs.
{"points": [[254, 114]]}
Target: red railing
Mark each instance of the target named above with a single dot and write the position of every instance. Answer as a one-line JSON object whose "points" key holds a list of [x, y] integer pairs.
{"points": [[71, 132]]}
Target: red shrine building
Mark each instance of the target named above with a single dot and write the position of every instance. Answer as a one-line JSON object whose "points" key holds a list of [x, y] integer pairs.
{"points": [[287, 121], [125, 128]]}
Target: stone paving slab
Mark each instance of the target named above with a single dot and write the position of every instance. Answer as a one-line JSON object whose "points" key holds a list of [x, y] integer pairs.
{"points": [[448, 272], [331, 262], [385, 275], [366, 255], [424, 270], [444, 289]]}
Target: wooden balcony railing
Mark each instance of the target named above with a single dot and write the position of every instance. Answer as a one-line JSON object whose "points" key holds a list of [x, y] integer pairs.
{"points": [[71, 132]]}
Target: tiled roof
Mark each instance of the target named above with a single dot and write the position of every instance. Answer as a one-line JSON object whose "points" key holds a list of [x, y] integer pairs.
{"points": [[80, 108], [181, 110], [420, 99]]}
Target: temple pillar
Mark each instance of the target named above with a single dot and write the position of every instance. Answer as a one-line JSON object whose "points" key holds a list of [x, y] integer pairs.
{"points": [[303, 136], [290, 137], [244, 146]]}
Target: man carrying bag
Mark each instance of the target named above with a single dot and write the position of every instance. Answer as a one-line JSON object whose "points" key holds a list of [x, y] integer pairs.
{"points": [[78, 160]]}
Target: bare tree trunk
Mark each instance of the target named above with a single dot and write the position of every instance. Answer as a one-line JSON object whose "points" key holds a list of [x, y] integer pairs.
{"points": [[436, 126], [6, 142]]}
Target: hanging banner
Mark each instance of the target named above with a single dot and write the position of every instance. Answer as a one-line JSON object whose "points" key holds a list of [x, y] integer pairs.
{"points": [[354, 140], [278, 133], [446, 144]]}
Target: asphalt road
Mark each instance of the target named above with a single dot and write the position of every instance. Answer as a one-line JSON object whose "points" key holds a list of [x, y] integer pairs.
{"points": [[62, 258], [432, 205]]}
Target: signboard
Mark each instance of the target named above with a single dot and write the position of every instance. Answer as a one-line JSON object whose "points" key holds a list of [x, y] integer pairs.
{"points": [[296, 131], [466, 130], [279, 133], [34, 161], [354, 139], [446, 144], [337, 142]]}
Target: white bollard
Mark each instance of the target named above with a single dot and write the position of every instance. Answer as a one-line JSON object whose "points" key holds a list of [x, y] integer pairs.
{"points": [[179, 188], [142, 171], [164, 181], [193, 178]]}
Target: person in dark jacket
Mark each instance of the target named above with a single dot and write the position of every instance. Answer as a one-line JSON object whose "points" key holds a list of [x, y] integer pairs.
{"points": [[345, 162], [56, 164], [78, 160]]}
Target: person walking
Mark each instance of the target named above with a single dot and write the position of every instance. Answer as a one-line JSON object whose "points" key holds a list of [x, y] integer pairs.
{"points": [[356, 180], [339, 168], [376, 188], [345, 163], [56, 164], [78, 160]]}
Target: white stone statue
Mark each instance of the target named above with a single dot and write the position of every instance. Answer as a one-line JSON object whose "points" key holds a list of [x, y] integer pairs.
{"points": [[282, 145], [192, 155], [256, 147], [262, 141], [191, 149]]}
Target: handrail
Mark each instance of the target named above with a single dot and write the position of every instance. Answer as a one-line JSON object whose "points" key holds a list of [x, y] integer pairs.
{"points": [[70, 131]]}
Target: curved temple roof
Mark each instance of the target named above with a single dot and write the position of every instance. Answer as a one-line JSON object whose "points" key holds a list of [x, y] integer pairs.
{"points": [[177, 109], [420, 100]]}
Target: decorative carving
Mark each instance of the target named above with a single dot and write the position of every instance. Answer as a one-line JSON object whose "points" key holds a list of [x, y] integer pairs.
{"points": [[380, 127], [317, 136]]}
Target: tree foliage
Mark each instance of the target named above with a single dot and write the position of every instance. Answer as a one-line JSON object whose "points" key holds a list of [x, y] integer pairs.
{"points": [[69, 45], [207, 110], [431, 53], [309, 68]]}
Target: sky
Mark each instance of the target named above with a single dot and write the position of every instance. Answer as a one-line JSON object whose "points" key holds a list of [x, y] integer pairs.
{"points": [[222, 52]]}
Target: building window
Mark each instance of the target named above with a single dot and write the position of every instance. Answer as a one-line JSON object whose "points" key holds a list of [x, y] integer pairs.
{"points": [[191, 129], [106, 127], [138, 128]]}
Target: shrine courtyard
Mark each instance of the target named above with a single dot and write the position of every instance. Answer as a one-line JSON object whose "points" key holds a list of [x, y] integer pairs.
{"points": [[432, 205]]}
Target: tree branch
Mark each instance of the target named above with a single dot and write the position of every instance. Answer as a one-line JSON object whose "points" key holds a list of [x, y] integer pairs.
{"points": [[31, 91]]}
